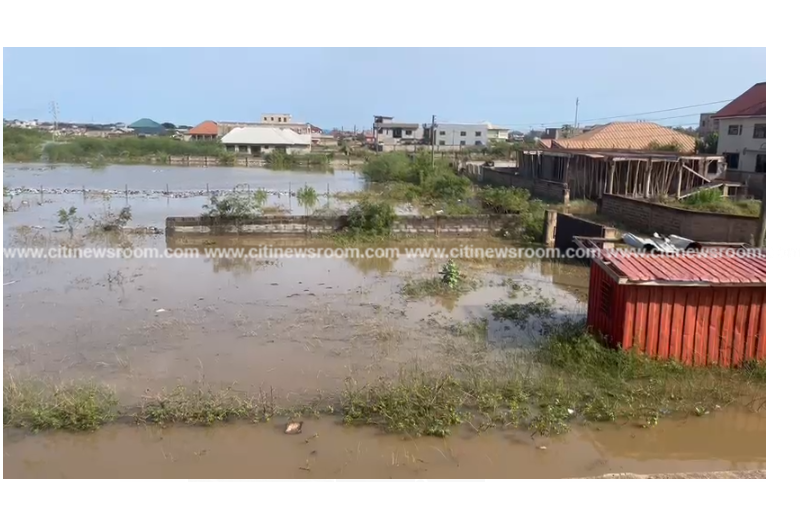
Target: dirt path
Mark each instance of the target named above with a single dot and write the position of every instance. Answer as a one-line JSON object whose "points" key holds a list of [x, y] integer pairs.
{"points": [[755, 474]]}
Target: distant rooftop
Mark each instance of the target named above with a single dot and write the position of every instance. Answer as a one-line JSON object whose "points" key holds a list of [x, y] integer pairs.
{"points": [[752, 103], [265, 136]]}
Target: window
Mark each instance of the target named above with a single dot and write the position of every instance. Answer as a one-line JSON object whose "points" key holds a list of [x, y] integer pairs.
{"points": [[761, 163], [477, 134], [463, 133], [732, 159], [734, 130], [397, 133], [760, 131], [478, 143], [408, 132], [442, 133], [441, 142], [463, 143]]}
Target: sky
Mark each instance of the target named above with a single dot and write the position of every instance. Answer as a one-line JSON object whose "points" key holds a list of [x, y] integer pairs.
{"points": [[521, 88]]}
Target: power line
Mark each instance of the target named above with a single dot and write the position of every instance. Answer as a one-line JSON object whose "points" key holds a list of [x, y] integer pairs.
{"points": [[629, 115]]}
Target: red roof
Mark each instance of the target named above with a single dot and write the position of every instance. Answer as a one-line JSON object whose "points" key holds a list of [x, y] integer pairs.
{"points": [[206, 128], [752, 103], [745, 269]]}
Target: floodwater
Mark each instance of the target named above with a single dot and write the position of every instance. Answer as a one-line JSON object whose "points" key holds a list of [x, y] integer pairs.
{"points": [[325, 449], [297, 326]]}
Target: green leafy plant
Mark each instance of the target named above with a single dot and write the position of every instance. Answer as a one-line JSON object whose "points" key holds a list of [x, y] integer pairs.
{"points": [[231, 206], [371, 218], [111, 221], [69, 218], [451, 275], [307, 197], [260, 198], [504, 200], [226, 159]]}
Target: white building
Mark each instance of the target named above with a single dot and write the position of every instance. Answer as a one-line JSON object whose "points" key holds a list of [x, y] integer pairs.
{"points": [[708, 124], [743, 131], [495, 133], [461, 135], [263, 140]]}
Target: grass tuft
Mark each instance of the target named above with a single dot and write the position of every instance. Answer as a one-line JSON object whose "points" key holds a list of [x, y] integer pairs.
{"points": [[75, 406]]}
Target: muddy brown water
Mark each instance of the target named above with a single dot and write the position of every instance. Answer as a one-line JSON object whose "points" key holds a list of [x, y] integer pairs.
{"points": [[297, 326], [325, 449]]}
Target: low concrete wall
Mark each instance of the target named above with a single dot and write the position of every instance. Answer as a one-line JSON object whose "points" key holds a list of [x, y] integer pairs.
{"points": [[555, 192], [568, 226], [746, 474], [309, 226], [756, 182], [651, 217]]}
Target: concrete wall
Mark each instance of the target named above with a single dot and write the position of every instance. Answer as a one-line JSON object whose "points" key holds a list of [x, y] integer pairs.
{"points": [[555, 192], [568, 226], [308, 226], [705, 227], [756, 182], [461, 135], [744, 144]]}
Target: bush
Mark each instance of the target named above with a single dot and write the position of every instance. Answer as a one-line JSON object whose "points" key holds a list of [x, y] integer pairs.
{"points": [[504, 200], [390, 167], [231, 206], [371, 218], [85, 149], [21, 144]]}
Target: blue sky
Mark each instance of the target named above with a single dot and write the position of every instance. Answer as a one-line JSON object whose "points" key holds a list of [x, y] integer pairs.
{"points": [[333, 87]]}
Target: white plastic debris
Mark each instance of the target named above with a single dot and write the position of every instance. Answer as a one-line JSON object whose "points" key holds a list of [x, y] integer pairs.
{"points": [[160, 310]]}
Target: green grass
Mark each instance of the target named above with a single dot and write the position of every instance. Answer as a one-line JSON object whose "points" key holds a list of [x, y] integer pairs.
{"points": [[420, 288], [38, 405], [203, 406], [712, 201]]}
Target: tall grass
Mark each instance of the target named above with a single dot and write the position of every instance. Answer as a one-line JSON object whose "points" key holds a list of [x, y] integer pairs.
{"points": [[131, 149]]}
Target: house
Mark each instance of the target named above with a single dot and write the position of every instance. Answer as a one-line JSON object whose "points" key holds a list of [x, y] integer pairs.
{"points": [[147, 127], [496, 133], [205, 131], [640, 136], [708, 124], [276, 119], [695, 308], [390, 133], [743, 130], [458, 135], [256, 141]]}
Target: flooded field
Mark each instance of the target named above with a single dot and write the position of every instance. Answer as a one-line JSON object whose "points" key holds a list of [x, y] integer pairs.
{"points": [[298, 328]]}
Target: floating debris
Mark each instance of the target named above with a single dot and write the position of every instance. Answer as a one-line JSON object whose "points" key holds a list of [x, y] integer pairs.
{"points": [[294, 428]]}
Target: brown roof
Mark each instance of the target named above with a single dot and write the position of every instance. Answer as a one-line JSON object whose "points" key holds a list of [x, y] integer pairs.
{"points": [[750, 104], [627, 136], [206, 128]]}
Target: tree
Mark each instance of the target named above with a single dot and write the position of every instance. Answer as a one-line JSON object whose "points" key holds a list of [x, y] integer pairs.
{"points": [[168, 125], [708, 144]]}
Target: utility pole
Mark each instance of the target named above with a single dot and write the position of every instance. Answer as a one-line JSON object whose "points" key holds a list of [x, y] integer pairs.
{"points": [[762, 222], [433, 139], [54, 111], [575, 126]]}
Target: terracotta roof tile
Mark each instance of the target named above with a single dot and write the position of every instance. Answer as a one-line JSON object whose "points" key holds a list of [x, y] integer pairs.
{"points": [[750, 104], [206, 128], [627, 136], [695, 268]]}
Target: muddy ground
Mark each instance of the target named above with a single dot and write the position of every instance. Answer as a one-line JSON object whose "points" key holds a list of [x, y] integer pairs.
{"points": [[299, 327]]}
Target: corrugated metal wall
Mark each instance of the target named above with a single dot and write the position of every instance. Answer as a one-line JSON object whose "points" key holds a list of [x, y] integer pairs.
{"points": [[699, 326]]}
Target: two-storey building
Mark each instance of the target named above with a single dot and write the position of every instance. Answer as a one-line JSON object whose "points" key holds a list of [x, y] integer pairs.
{"points": [[743, 131]]}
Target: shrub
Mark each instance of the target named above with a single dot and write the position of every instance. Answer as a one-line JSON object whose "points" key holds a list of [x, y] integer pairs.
{"points": [[390, 167], [372, 218], [504, 200], [449, 187], [231, 206], [69, 218]]}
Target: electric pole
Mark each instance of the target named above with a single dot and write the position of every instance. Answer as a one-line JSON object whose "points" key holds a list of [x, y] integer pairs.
{"points": [[54, 111], [575, 126], [762, 222], [433, 139]]}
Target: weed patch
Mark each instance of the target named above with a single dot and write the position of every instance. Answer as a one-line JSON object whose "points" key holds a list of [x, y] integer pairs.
{"points": [[202, 406], [78, 406]]}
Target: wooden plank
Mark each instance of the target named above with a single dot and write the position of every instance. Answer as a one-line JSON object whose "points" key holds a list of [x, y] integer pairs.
{"points": [[640, 323], [653, 322], [703, 318], [753, 320], [704, 178], [715, 325], [728, 319], [689, 326], [740, 326], [676, 334], [761, 353], [629, 295], [665, 326]]}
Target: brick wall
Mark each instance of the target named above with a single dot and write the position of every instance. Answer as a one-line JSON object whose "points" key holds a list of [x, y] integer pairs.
{"points": [[650, 217], [308, 226]]}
